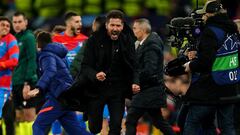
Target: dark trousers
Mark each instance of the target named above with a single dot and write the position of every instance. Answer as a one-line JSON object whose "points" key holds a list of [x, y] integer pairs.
{"points": [[237, 118], [134, 114], [95, 113], [182, 114], [225, 119], [202, 117]]}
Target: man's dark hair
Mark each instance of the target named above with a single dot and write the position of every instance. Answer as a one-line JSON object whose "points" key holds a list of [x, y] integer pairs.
{"points": [[37, 31], [117, 14], [58, 29], [69, 14], [3, 18], [43, 38], [19, 13], [100, 20]]}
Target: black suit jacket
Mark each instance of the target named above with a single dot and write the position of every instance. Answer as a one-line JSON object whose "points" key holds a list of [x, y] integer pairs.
{"points": [[149, 74]]}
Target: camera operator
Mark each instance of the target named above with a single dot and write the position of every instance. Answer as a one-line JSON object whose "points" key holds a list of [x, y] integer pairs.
{"points": [[205, 96], [237, 105]]}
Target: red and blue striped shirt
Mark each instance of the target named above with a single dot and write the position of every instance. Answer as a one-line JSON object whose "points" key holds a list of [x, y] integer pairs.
{"points": [[73, 44], [9, 53]]}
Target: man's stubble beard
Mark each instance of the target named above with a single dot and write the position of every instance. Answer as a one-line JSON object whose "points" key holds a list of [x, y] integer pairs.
{"points": [[73, 31]]}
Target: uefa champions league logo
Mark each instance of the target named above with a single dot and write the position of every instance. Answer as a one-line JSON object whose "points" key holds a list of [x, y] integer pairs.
{"points": [[231, 42]]}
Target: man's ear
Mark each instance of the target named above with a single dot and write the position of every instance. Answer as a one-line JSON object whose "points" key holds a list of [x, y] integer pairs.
{"points": [[26, 21], [106, 24]]}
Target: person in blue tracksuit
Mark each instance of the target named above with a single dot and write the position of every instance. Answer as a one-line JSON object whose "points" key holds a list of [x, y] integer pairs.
{"points": [[55, 78]]}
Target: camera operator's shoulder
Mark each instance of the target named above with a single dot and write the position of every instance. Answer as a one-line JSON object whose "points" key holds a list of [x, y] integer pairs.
{"points": [[208, 33]]}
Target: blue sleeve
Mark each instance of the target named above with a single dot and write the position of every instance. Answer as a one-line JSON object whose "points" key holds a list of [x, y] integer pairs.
{"points": [[49, 69]]}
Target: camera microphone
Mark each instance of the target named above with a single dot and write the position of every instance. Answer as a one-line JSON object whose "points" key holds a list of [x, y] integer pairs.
{"points": [[182, 22]]}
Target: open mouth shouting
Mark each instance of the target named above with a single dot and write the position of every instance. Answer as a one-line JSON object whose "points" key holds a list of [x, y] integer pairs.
{"points": [[114, 35]]}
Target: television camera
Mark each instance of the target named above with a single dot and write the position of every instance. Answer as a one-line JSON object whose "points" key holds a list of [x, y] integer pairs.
{"points": [[181, 30]]}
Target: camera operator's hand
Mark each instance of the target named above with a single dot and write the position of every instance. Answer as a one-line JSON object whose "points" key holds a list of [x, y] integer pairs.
{"points": [[187, 68], [192, 54]]}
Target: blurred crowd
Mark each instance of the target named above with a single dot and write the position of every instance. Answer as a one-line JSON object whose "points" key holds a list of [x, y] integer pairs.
{"points": [[48, 13]]}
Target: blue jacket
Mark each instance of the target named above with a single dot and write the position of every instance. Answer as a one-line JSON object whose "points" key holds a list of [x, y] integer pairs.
{"points": [[205, 91], [54, 72]]}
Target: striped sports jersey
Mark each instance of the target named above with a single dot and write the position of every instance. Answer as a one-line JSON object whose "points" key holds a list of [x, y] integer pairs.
{"points": [[73, 44], [9, 53]]}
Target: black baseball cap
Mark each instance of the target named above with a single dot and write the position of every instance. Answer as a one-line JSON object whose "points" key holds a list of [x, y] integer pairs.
{"points": [[211, 6]]}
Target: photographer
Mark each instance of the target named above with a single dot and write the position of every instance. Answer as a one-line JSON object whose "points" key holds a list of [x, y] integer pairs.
{"points": [[205, 96]]}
